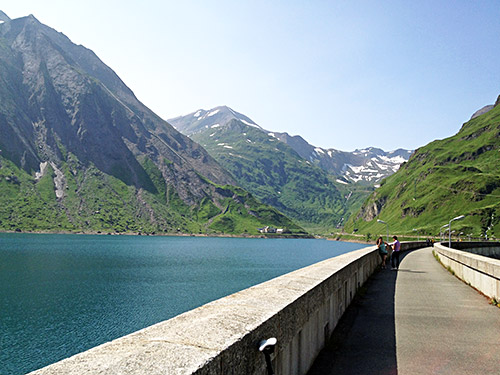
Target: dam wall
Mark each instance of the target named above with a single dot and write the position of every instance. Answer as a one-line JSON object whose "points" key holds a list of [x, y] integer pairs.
{"points": [[474, 263], [486, 248], [299, 309]]}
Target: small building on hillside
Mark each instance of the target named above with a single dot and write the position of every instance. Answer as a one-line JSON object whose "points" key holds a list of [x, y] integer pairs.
{"points": [[269, 229]]}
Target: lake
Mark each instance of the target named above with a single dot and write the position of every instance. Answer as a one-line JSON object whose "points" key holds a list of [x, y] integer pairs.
{"points": [[63, 294]]}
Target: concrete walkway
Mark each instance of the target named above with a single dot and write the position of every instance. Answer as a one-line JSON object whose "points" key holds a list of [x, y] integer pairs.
{"points": [[418, 320]]}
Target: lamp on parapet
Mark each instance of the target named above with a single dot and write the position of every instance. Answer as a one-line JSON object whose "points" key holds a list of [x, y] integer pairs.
{"points": [[449, 228], [267, 347], [441, 233], [418, 234], [387, 227]]}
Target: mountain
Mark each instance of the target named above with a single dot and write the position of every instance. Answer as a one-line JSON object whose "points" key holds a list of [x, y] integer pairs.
{"points": [[202, 120], [485, 109], [459, 175], [315, 186], [367, 166], [3, 17], [271, 170], [370, 165], [78, 150]]}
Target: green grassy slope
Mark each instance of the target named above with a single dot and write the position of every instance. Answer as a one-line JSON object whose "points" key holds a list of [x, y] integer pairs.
{"points": [[274, 173], [97, 202], [456, 176]]}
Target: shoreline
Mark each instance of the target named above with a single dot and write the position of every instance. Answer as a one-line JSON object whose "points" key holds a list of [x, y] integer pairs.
{"points": [[162, 234], [340, 238], [350, 240]]}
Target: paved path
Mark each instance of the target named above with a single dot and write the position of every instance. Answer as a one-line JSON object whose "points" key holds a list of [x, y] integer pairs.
{"points": [[418, 320]]}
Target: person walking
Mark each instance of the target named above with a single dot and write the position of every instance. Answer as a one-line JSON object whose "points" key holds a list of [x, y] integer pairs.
{"points": [[396, 247], [382, 250]]}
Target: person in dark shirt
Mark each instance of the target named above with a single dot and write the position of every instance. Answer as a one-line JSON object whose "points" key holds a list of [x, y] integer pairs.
{"points": [[396, 247]]}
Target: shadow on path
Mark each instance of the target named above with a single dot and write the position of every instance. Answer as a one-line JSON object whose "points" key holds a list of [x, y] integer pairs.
{"points": [[364, 341]]}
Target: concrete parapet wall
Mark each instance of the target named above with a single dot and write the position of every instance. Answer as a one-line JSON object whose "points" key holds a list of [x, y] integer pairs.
{"points": [[481, 272], [300, 309], [488, 249]]}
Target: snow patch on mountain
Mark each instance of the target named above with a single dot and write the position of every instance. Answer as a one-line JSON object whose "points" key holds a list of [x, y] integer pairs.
{"points": [[246, 122], [213, 113], [372, 165], [250, 124], [395, 160], [369, 165]]}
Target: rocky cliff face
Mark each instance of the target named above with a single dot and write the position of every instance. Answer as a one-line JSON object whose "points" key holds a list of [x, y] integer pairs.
{"points": [[3, 17], [57, 93], [59, 104], [485, 109]]}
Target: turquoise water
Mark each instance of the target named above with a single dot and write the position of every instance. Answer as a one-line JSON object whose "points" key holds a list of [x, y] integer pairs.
{"points": [[63, 294]]}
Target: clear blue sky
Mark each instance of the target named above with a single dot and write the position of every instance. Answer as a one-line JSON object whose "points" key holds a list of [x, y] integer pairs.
{"points": [[343, 74]]}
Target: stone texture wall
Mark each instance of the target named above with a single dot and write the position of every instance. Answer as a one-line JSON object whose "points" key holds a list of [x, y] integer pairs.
{"points": [[481, 272]]}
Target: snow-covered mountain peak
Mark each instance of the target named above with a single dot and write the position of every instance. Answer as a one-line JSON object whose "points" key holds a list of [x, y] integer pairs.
{"points": [[200, 120], [368, 165]]}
